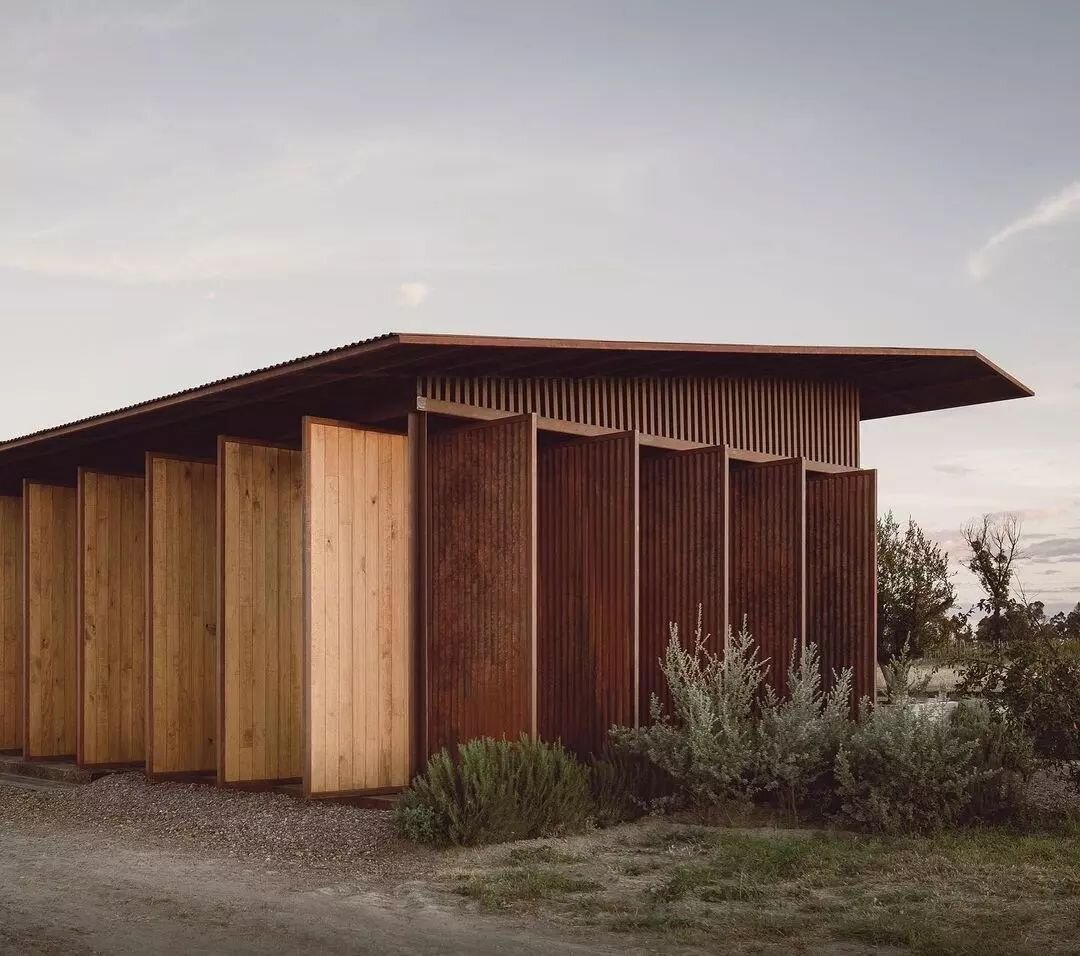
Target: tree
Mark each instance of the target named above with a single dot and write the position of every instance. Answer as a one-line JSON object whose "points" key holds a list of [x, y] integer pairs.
{"points": [[915, 590], [994, 550]]}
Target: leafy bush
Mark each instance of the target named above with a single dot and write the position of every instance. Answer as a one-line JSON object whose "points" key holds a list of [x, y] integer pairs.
{"points": [[903, 771], [708, 746], [1038, 686], [800, 735], [1002, 756], [495, 791], [900, 680]]}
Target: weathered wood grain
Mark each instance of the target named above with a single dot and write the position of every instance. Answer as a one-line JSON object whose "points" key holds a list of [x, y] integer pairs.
{"points": [[181, 533], [50, 520], [359, 629], [261, 612], [112, 619]]}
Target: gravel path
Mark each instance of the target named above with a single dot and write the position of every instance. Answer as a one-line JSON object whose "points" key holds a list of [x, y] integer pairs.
{"points": [[305, 838], [126, 866]]}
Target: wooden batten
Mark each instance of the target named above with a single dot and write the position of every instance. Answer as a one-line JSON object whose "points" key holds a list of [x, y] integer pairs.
{"points": [[684, 562], [181, 620], [358, 649], [841, 554], [111, 619], [50, 672], [11, 623], [587, 643], [767, 548], [260, 613], [480, 629]]}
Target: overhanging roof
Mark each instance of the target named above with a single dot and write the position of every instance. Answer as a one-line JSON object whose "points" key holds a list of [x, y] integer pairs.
{"points": [[891, 381]]}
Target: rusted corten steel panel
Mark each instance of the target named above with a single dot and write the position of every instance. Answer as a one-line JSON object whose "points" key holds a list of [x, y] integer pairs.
{"points": [[112, 619], [683, 557], [811, 419], [11, 645], [260, 550], [587, 644], [182, 643], [359, 636], [841, 553], [767, 548], [481, 626], [50, 688]]}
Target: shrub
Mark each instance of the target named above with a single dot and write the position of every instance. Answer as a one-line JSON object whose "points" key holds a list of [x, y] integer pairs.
{"points": [[1003, 759], [905, 772], [1038, 686], [800, 735], [708, 745], [496, 790], [900, 680], [625, 786]]}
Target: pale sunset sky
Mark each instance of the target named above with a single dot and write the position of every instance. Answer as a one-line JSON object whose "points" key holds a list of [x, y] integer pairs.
{"points": [[193, 189]]}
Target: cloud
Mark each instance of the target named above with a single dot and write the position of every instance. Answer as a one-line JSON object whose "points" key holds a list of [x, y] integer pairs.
{"points": [[1053, 210], [1061, 549], [954, 469], [412, 294]]}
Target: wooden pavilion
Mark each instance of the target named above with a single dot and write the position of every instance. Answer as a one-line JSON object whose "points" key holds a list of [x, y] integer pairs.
{"points": [[326, 569]]}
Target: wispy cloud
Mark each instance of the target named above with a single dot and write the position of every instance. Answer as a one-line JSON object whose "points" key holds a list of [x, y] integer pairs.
{"points": [[1053, 210], [412, 294]]}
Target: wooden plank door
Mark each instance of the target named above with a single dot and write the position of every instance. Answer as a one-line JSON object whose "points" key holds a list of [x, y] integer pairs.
{"points": [[481, 623], [684, 565], [841, 556], [182, 651], [111, 619], [260, 707], [11, 623], [359, 628], [587, 646], [50, 518], [767, 548]]}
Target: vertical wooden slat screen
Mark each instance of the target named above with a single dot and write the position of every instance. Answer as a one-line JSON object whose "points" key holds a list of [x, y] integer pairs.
{"points": [[683, 557], [182, 645], [50, 686], [358, 645], [818, 420], [481, 627], [11, 623], [766, 548], [111, 619], [260, 704], [841, 553], [587, 644]]}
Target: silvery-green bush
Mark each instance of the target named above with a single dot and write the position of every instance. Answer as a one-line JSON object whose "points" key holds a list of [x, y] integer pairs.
{"points": [[905, 771], [729, 738], [799, 735]]}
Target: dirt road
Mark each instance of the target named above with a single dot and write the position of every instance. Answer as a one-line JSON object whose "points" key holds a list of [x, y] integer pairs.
{"points": [[85, 890]]}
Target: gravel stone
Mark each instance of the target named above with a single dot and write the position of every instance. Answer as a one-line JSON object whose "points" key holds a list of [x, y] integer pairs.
{"points": [[277, 831]]}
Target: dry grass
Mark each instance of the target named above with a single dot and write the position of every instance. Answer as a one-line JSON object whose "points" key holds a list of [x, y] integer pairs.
{"points": [[771, 890]]}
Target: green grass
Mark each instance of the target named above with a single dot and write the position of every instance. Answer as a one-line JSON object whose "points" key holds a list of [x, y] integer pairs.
{"points": [[983, 892]]}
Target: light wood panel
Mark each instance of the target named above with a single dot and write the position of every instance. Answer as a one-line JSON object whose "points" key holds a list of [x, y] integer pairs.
{"points": [[11, 623], [683, 557], [182, 686], [261, 612], [358, 572], [587, 644], [112, 619], [841, 555], [767, 548], [818, 420], [50, 689], [481, 627]]}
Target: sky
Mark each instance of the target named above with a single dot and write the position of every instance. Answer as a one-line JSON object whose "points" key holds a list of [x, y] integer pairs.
{"points": [[194, 189]]}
